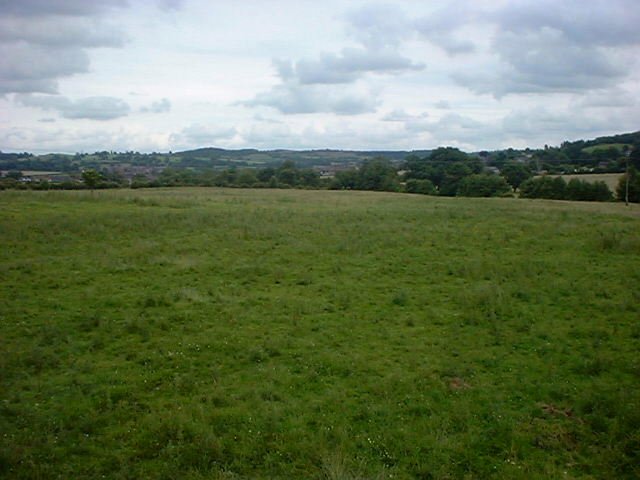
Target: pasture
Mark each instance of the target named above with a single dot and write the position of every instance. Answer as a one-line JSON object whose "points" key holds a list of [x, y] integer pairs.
{"points": [[611, 179], [231, 334]]}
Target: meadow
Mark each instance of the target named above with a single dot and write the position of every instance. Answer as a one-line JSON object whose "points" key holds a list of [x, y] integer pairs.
{"points": [[611, 179], [232, 334]]}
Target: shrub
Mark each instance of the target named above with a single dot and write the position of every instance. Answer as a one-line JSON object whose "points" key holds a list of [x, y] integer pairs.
{"points": [[586, 191], [544, 187], [634, 186], [424, 186], [483, 185]]}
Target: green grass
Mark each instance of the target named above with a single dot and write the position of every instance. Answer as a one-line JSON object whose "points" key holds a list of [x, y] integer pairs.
{"points": [[207, 333], [605, 146], [611, 179]]}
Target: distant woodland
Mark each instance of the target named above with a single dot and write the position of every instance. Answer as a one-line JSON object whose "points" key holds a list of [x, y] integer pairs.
{"points": [[446, 171]]}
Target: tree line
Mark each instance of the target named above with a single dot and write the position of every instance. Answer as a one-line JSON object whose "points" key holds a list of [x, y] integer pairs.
{"points": [[446, 171]]}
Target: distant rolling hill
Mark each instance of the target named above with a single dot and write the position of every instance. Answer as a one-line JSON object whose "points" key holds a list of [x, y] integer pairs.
{"points": [[302, 158]]}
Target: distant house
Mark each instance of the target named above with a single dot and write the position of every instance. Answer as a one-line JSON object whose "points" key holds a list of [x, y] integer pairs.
{"points": [[329, 171]]}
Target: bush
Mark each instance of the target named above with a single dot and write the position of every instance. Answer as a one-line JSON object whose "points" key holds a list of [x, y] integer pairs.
{"points": [[544, 187], [586, 191], [483, 185], [424, 187], [634, 186], [557, 189]]}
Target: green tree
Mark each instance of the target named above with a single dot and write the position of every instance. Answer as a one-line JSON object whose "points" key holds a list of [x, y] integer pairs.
{"points": [[139, 181], [246, 177], [423, 186], [309, 178], [265, 174], [544, 187], [482, 185], [345, 180], [634, 186], [589, 192], [515, 174], [378, 174], [448, 155], [287, 174], [91, 178], [444, 167], [453, 175], [634, 157]]}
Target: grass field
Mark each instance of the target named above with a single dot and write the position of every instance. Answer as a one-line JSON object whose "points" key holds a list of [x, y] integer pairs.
{"points": [[611, 179], [606, 146], [228, 334]]}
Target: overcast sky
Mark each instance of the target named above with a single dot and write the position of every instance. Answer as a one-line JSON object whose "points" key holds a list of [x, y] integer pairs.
{"points": [[159, 75]]}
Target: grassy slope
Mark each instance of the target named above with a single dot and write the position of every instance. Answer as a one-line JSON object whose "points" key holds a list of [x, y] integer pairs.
{"points": [[611, 179], [289, 334], [605, 146]]}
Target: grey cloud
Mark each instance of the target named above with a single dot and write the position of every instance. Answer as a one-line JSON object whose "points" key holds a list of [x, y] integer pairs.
{"points": [[28, 68], [454, 127], [547, 46], [612, 98], [201, 135], [535, 126], [544, 123], [160, 106], [59, 32], [341, 134], [284, 68], [50, 138], [27, 86], [379, 26], [451, 128], [309, 85], [262, 120], [92, 108], [58, 7], [352, 63], [345, 67], [292, 99], [32, 62], [97, 108], [269, 135], [598, 22], [442, 104], [403, 116], [543, 62], [42, 41], [47, 120], [541, 45], [546, 59], [440, 28], [170, 4]]}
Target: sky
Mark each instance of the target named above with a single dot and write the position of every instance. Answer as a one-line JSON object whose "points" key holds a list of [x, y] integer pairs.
{"points": [[171, 75]]}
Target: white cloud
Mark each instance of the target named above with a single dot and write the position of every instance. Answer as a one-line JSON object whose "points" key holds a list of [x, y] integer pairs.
{"points": [[42, 42], [197, 135], [58, 32], [91, 108], [490, 73], [291, 98], [160, 106], [548, 46], [346, 67], [379, 26], [58, 7], [400, 115]]}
